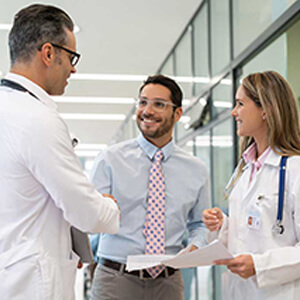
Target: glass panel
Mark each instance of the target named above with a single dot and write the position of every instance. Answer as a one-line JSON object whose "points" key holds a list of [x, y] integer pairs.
{"points": [[220, 46], [222, 142], [203, 149], [190, 118], [251, 18], [204, 280], [222, 97], [272, 58], [189, 147], [293, 59], [201, 50], [183, 62], [168, 68]]}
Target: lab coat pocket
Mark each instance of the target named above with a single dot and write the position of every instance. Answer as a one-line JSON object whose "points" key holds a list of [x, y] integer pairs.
{"points": [[20, 274], [59, 276]]}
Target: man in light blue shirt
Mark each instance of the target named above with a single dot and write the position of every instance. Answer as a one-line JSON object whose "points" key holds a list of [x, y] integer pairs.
{"points": [[123, 171]]}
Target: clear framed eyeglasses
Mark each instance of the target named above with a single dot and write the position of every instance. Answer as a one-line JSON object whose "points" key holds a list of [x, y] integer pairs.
{"points": [[158, 105]]}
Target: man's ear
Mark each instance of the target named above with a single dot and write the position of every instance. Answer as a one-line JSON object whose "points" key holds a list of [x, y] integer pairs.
{"points": [[177, 114], [47, 53]]}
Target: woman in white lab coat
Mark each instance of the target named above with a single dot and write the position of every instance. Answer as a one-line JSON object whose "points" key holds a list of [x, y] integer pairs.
{"points": [[266, 246]]}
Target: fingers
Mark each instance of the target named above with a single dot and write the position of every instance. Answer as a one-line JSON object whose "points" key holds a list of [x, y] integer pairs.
{"points": [[193, 248], [109, 196], [223, 262], [113, 198], [241, 265], [213, 218]]}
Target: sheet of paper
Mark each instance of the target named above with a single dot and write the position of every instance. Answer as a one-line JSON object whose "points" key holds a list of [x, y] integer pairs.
{"points": [[202, 257], [138, 262]]}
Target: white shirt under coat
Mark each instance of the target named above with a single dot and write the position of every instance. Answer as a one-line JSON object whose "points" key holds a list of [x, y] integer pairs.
{"points": [[43, 192]]}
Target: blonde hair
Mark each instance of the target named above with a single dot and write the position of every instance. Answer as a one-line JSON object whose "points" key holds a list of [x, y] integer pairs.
{"points": [[273, 93]]}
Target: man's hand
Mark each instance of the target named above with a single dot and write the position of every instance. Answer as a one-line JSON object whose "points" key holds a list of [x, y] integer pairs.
{"points": [[110, 196], [213, 218], [241, 265], [193, 248]]}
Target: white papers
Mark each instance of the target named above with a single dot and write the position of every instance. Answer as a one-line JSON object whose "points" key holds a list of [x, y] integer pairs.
{"points": [[201, 257], [138, 262]]}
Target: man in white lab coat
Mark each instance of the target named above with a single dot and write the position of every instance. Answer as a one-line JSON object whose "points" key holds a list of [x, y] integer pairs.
{"points": [[43, 189]]}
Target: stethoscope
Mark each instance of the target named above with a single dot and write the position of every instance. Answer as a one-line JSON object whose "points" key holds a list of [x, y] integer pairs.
{"points": [[277, 228]]}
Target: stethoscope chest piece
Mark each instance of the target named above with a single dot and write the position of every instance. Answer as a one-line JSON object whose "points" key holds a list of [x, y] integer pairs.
{"points": [[277, 229]]}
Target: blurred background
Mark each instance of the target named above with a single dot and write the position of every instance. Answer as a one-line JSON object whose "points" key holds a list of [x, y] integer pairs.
{"points": [[206, 45]]}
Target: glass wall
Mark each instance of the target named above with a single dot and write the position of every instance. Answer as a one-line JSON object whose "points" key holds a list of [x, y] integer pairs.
{"points": [[201, 59], [251, 18], [183, 62], [220, 35], [222, 97]]}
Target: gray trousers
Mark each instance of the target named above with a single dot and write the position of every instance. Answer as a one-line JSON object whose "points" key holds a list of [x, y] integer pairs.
{"points": [[109, 284]]}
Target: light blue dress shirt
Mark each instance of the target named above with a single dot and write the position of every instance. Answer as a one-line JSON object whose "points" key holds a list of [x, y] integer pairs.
{"points": [[123, 171]]}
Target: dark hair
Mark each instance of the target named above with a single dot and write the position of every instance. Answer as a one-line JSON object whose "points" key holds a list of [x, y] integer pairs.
{"points": [[34, 26], [170, 84]]}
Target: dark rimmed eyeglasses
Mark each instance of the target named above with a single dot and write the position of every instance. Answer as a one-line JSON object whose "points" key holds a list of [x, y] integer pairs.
{"points": [[75, 56]]}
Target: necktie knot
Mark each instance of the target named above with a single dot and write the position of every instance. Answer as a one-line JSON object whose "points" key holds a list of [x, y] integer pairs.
{"points": [[159, 156]]}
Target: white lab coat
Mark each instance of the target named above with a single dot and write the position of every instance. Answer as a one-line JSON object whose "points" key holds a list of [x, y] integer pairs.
{"points": [[43, 192], [276, 258]]}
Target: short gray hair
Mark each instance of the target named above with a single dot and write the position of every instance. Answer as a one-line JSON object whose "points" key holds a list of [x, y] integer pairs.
{"points": [[34, 26]]}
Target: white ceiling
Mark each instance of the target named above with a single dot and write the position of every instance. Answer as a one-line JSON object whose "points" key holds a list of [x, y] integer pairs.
{"points": [[116, 37]]}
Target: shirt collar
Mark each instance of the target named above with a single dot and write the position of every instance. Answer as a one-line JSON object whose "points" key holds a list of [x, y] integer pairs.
{"points": [[151, 149], [250, 154], [41, 94]]}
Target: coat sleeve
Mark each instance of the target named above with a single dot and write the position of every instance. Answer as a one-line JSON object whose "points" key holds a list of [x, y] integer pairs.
{"points": [[49, 156]]}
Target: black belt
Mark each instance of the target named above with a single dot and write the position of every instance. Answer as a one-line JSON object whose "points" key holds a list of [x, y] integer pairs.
{"points": [[140, 273]]}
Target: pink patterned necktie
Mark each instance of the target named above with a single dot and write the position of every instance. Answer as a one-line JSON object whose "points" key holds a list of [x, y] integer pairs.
{"points": [[154, 229]]}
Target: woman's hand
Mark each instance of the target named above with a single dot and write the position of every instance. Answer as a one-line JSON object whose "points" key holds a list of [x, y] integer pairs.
{"points": [[241, 265], [213, 218]]}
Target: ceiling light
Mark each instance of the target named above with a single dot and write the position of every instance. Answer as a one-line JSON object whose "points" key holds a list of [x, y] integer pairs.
{"points": [[76, 29], [91, 147], [86, 153], [185, 119], [190, 79], [110, 77], [88, 164], [222, 104], [94, 117], [138, 78], [226, 81], [96, 100], [203, 101], [4, 26]]}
